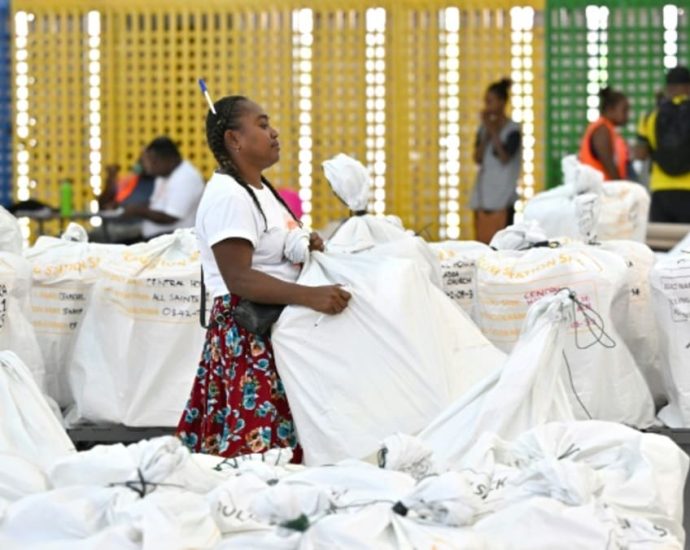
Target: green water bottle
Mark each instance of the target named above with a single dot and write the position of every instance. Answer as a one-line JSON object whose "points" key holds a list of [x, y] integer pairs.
{"points": [[66, 198]]}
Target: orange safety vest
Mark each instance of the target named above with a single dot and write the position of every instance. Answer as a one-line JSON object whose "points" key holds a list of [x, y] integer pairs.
{"points": [[620, 149], [125, 187]]}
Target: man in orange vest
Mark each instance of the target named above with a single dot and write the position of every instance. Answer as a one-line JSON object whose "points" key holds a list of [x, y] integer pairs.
{"points": [[602, 146]]}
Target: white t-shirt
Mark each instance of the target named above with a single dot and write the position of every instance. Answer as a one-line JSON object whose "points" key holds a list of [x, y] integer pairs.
{"points": [[227, 211], [178, 195]]}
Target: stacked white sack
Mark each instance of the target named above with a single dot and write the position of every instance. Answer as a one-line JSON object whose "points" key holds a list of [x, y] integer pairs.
{"points": [[459, 270], [587, 207], [29, 430], [671, 296], [10, 233], [64, 272], [16, 332], [138, 344], [608, 383], [532, 388]]}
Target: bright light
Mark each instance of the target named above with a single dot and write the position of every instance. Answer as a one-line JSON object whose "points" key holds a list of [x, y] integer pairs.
{"points": [[302, 28], [449, 135], [522, 22], [670, 36], [375, 116]]}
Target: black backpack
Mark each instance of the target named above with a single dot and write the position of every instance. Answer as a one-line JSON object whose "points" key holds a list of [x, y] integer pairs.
{"points": [[672, 152]]}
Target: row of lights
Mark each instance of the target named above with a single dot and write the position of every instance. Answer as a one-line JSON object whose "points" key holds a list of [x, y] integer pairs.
{"points": [[23, 119], [375, 75], [671, 14], [597, 18], [522, 51], [449, 112], [302, 42], [93, 29]]}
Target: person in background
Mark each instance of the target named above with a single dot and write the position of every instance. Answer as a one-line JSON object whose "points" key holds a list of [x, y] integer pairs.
{"points": [[134, 187], [602, 147], [497, 151], [664, 136], [237, 403], [176, 193]]}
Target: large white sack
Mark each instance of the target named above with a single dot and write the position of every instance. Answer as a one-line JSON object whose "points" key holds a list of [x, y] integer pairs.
{"points": [[29, 428], [589, 481], [138, 344], [10, 233], [671, 295], [587, 207], [634, 480], [164, 519], [608, 383], [529, 390], [632, 312], [458, 270], [64, 272], [16, 332], [397, 355]]}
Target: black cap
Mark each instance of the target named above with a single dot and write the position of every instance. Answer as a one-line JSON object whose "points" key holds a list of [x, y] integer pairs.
{"points": [[678, 75]]}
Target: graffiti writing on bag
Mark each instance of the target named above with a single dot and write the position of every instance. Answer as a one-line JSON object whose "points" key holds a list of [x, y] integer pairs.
{"points": [[3, 305], [483, 490], [677, 289]]}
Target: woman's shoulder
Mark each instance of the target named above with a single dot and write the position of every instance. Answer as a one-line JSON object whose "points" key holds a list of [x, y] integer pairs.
{"points": [[512, 126], [223, 185]]}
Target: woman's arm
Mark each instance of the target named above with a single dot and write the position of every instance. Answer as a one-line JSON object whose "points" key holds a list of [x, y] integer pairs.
{"points": [[234, 259], [480, 146], [603, 147]]}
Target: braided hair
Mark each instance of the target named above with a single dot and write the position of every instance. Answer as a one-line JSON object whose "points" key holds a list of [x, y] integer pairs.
{"points": [[227, 117]]}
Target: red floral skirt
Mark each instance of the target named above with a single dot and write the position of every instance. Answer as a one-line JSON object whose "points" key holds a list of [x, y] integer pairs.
{"points": [[238, 404]]}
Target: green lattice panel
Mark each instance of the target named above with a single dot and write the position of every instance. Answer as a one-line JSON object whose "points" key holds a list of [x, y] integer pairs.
{"points": [[634, 64], [566, 82], [636, 58]]}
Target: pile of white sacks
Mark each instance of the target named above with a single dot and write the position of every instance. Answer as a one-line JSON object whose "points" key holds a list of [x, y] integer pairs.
{"points": [[496, 419], [505, 466], [111, 333]]}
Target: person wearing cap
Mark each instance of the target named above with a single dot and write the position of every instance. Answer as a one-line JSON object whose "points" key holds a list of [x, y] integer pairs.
{"points": [[664, 136]]}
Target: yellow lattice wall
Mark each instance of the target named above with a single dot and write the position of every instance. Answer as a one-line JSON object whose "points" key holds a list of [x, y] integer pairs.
{"points": [[375, 80]]}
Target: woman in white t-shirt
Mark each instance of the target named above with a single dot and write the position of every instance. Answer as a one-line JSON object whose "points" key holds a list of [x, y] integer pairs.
{"points": [[238, 404]]}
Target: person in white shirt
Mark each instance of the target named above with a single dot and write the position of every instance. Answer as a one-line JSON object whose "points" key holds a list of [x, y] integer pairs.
{"points": [[176, 193], [237, 403]]}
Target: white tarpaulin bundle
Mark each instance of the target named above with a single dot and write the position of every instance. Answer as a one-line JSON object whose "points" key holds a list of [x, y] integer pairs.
{"points": [[671, 296], [531, 389], [458, 270], [587, 207], [64, 271], [139, 341], [10, 233], [607, 380], [29, 428], [397, 355], [16, 332]]}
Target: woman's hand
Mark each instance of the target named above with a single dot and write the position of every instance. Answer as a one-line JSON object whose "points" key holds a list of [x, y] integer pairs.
{"points": [[329, 299], [316, 243]]}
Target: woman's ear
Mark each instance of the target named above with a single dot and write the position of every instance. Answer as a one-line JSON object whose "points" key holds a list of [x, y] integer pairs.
{"points": [[232, 140]]}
